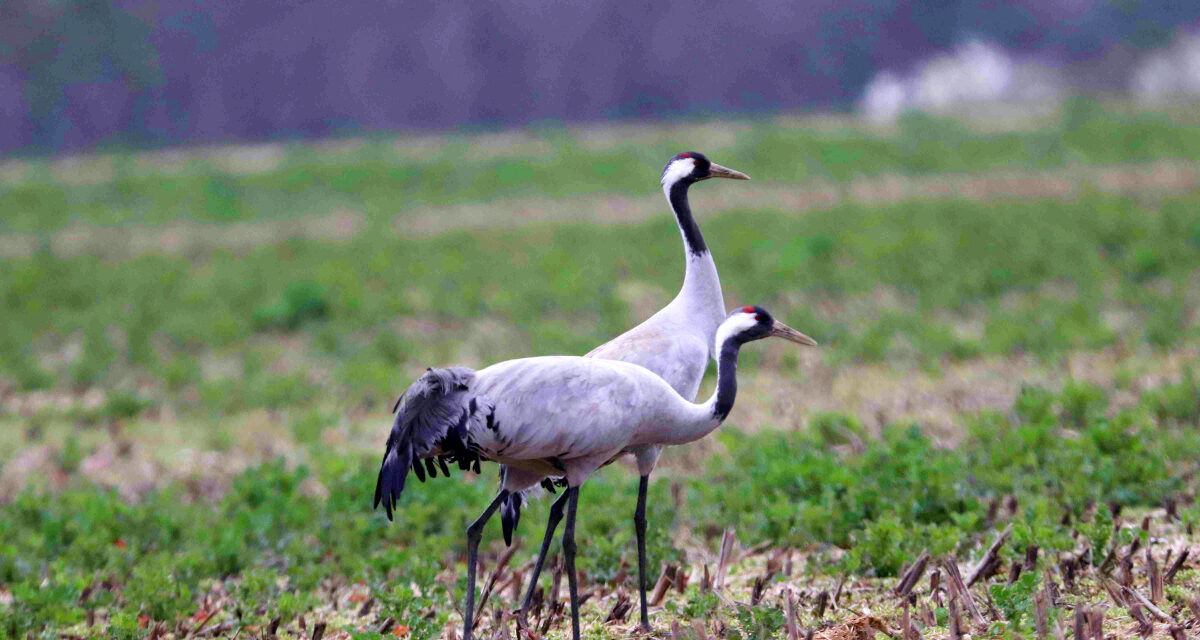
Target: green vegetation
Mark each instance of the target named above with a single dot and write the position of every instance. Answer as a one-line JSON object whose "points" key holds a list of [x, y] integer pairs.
{"points": [[383, 177], [914, 282], [961, 279], [281, 358], [275, 546]]}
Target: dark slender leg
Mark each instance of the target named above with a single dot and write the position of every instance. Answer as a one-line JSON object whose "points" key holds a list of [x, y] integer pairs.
{"points": [[639, 525], [568, 545], [556, 514], [474, 533]]}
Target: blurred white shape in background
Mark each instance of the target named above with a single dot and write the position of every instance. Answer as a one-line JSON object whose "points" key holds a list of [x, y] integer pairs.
{"points": [[1172, 73], [884, 98], [976, 72]]}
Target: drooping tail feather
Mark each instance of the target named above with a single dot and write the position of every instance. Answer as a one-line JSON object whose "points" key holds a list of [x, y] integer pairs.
{"points": [[510, 510], [434, 417], [510, 515], [392, 474]]}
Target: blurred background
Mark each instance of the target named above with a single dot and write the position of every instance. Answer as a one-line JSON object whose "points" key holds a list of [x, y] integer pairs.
{"points": [[76, 74], [232, 232]]}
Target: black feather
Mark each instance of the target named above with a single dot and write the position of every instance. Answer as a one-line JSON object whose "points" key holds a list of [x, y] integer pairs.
{"points": [[476, 463], [548, 485], [392, 473], [432, 415], [456, 438], [442, 463], [510, 515]]}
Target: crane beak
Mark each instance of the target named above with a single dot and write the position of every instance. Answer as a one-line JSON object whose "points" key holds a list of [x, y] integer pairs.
{"points": [[717, 171], [781, 330]]}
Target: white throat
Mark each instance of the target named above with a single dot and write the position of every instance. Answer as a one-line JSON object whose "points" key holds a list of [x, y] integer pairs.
{"points": [[676, 171]]}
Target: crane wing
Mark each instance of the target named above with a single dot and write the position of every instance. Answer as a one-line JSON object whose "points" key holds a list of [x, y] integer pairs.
{"points": [[433, 417]]}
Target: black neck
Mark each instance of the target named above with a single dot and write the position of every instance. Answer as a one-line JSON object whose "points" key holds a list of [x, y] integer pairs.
{"points": [[726, 379], [683, 215]]}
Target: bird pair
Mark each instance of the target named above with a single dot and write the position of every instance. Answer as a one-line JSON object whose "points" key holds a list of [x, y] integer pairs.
{"points": [[560, 418]]}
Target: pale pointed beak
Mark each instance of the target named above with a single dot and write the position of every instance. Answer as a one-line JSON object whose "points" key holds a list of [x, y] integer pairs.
{"points": [[717, 171], [781, 330]]}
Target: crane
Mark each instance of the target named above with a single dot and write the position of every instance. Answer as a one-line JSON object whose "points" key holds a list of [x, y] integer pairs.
{"points": [[675, 343], [560, 416]]}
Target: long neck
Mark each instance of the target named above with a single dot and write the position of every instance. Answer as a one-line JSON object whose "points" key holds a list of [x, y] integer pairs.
{"points": [[693, 240], [700, 295], [699, 420], [723, 397]]}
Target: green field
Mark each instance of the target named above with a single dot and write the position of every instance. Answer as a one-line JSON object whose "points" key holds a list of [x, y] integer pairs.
{"points": [[198, 360]]}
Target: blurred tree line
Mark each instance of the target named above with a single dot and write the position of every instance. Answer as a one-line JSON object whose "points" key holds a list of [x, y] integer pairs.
{"points": [[77, 73]]}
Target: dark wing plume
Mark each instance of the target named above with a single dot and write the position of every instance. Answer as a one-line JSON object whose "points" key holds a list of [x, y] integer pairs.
{"points": [[510, 515], [433, 417]]}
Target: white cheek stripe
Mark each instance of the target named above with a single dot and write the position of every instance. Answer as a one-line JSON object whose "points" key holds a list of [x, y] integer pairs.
{"points": [[732, 326], [676, 171]]}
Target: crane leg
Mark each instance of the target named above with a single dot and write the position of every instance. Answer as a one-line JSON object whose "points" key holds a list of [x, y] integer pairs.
{"points": [[568, 544], [556, 514], [639, 525], [474, 534]]}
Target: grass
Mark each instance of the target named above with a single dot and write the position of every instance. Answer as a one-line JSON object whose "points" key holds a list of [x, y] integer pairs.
{"points": [[382, 177], [190, 437], [284, 539], [226, 332]]}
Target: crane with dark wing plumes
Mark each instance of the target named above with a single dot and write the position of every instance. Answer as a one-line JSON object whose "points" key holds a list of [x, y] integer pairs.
{"points": [[554, 416]]}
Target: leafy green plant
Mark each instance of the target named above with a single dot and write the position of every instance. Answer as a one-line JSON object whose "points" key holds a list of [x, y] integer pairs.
{"points": [[152, 588], [123, 404], [301, 301], [70, 455], [1098, 530], [1178, 402], [1016, 600], [700, 605], [759, 623], [1082, 402]]}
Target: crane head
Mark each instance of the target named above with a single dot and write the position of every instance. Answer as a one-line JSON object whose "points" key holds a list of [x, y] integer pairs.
{"points": [[691, 166], [751, 323]]}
